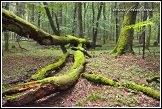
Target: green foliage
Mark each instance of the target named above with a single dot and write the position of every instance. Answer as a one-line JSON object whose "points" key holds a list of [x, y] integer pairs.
{"points": [[93, 96]]}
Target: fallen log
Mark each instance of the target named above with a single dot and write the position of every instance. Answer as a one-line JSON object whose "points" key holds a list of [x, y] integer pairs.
{"points": [[31, 91], [103, 80]]}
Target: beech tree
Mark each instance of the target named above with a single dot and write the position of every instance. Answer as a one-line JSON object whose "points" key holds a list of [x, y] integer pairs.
{"points": [[125, 40]]}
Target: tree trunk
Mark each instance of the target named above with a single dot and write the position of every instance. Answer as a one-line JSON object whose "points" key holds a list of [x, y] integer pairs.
{"points": [[158, 36], [117, 27], [74, 19], [79, 22], [50, 19], [57, 32], [104, 16], [32, 14], [39, 16], [23, 28], [6, 34], [149, 28], [143, 28], [6, 38], [125, 40], [60, 15], [93, 19], [97, 24]]}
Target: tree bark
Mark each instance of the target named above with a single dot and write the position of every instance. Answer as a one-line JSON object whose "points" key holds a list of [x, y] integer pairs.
{"points": [[74, 19], [23, 28], [117, 27], [79, 22], [97, 24], [93, 19], [125, 40], [32, 14], [150, 14], [158, 36], [104, 16], [57, 32], [143, 28], [6, 34]]}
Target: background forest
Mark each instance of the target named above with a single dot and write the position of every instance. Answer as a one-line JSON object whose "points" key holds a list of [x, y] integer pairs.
{"points": [[125, 46]]}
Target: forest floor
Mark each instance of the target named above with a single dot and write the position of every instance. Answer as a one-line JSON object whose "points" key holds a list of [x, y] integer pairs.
{"points": [[18, 64]]}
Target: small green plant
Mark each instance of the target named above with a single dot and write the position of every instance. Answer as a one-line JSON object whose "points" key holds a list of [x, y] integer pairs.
{"points": [[80, 102], [94, 97]]}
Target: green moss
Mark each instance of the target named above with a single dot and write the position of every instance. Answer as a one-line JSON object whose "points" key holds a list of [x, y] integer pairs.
{"points": [[13, 96], [61, 82], [93, 97], [6, 87], [43, 72], [124, 41], [103, 80], [37, 34], [146, 90], [100, 79]]}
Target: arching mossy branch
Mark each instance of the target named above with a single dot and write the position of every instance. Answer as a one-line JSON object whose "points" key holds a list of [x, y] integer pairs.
{"points": [[44, 72], [133, 86]]}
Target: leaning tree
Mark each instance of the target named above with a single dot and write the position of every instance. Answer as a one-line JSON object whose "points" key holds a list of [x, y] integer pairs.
{"points": [[41, 84], [125, 40]]}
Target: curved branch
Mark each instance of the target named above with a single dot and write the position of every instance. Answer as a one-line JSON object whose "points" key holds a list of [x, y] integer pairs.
{"points": [[44, 72]]}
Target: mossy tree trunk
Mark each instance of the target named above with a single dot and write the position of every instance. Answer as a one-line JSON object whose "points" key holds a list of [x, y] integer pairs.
{"points": [[23, 28], [125, 40]]}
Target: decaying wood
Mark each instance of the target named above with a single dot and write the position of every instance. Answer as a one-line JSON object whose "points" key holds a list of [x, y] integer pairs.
{"points": [[31, 91]]}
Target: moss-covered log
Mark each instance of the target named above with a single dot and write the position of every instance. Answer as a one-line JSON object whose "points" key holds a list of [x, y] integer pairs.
{"points": [[44, 72], [31, 91], [23, 28], [100, 79]]}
